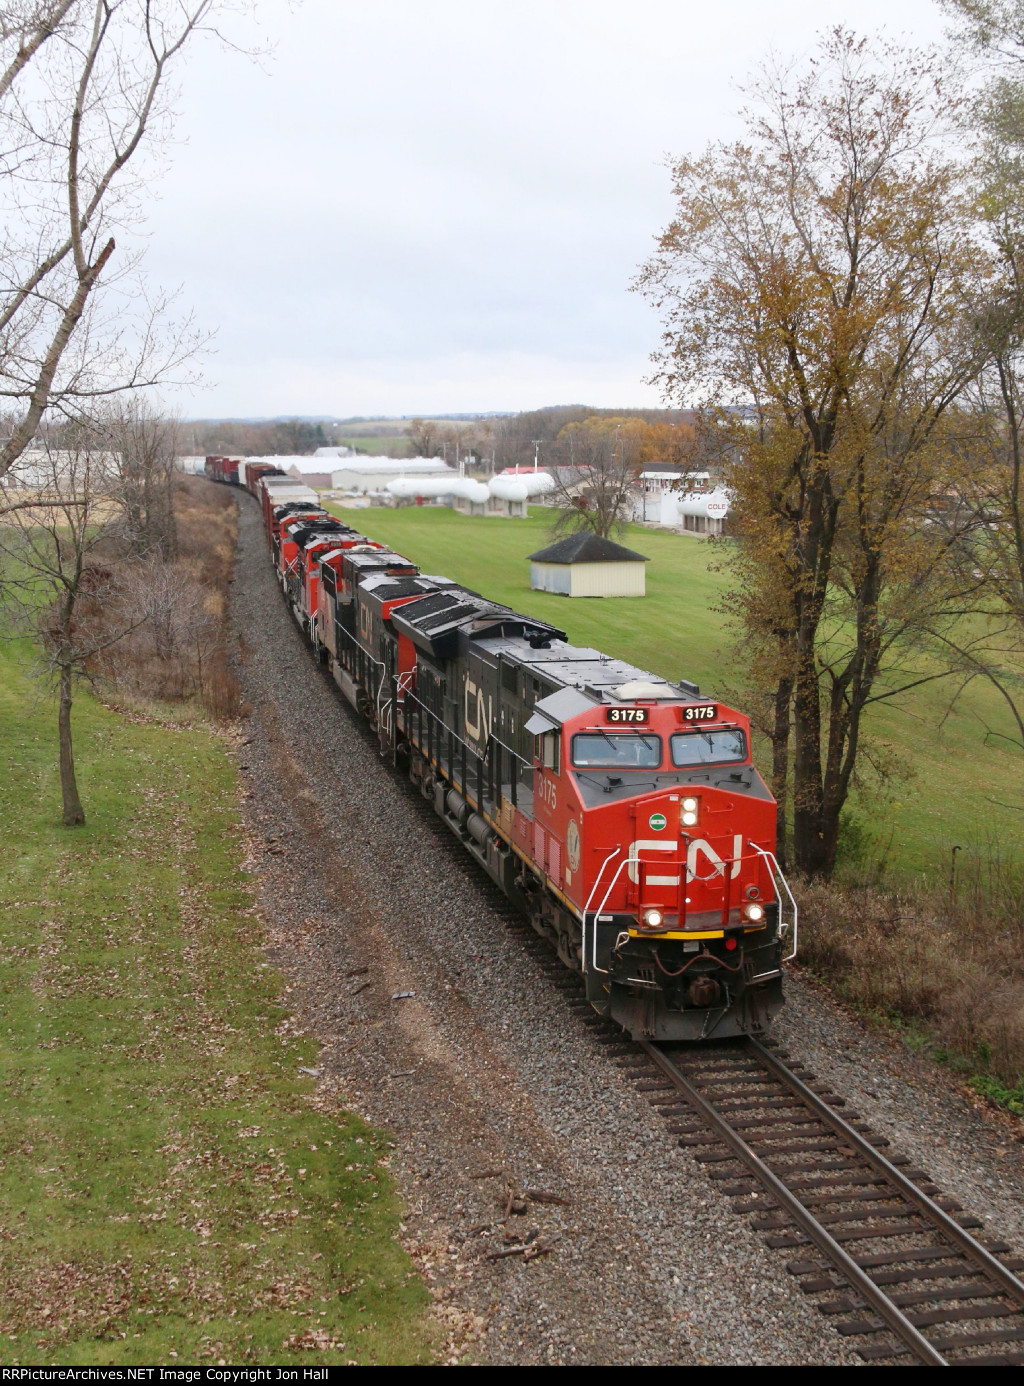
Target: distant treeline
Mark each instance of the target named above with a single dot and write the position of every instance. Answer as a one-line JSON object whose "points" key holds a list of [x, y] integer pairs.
{"points": [[508, 439], [512, 439], [229, 438]]}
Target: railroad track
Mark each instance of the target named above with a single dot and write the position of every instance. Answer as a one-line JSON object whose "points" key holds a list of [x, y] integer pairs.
{"points": [[899, 1271], [890, 1260]]}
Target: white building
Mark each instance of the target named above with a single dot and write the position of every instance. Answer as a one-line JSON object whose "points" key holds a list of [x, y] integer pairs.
{"points": [[584, 565], [39, 468], [374, 473], [658, 485], [681, 500]]}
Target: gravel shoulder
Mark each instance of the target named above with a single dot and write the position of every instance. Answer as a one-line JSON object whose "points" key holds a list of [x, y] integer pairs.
{"points": [[490, 1082], [971, 1149]]}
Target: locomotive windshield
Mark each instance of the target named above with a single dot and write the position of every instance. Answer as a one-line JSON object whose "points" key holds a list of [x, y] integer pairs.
{"points": [[708, 747], [616, 750]]}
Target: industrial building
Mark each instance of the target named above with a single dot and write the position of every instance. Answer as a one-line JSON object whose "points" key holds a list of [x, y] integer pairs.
{"points": [[374, 473]]}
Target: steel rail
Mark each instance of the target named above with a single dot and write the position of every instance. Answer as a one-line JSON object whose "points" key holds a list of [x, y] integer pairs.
{"points": [[844, 1263], [972, 1248]]}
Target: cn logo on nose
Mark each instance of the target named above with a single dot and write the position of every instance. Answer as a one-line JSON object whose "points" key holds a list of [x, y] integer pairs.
{"points": [[698, 845]]}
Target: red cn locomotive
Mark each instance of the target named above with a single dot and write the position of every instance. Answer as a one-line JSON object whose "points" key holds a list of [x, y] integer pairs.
{"points": [[223, 469], [621, 813]]}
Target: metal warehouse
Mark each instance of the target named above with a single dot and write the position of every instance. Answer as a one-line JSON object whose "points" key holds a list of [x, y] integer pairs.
{"points": [[374, 473]]}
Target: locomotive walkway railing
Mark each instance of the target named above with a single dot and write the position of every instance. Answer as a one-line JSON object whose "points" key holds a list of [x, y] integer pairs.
{"points": [[354, 657], [479, 778]]}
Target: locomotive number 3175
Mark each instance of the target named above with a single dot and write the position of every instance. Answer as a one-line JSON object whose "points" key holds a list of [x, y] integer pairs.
{"points": [[628, 714], [700, 712]]}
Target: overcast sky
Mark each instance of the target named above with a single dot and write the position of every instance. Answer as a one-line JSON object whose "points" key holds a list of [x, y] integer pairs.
{"points": [[416, 206]]}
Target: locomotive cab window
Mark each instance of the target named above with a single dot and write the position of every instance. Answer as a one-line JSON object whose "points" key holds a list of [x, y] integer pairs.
{"points": [[546, 750], [708, 747], [616, 751]]}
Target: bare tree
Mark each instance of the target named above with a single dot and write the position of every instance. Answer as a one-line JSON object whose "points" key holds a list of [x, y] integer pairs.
{"points": [[173, 637], [455, 442], [596, 467], [83, 89], [145, 446], [54, 561]]}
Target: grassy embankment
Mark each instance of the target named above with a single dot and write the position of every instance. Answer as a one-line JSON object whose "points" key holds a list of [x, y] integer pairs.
{"points": [[167, 1190], [950, 972]]}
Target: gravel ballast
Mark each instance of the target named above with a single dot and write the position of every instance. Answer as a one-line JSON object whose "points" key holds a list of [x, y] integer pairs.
{"points": [[490, 1082]]}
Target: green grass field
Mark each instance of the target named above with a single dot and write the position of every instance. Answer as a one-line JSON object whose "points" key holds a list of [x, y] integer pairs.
{"points": [[167, 1191], [375, 447], [961, 787]]}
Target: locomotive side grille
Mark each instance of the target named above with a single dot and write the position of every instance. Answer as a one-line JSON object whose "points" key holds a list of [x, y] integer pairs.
{"points": [[554, 858]]}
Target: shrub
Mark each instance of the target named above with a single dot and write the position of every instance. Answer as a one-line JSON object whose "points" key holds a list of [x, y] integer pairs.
{"points": [[178, 649], [947, 958]]}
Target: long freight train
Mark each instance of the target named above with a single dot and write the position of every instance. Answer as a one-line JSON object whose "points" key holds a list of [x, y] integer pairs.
{"points": [[621, 813]]}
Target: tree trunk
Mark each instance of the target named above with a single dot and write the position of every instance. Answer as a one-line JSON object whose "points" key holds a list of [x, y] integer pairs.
{"points": [[811, 851], [820, 842], [74, 814], [780, 763], [810, 845]]}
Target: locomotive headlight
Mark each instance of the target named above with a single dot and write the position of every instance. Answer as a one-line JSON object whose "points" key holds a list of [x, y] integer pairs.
{"points": [[652, 919], [689, 818], [690, 805], [755, 913]]}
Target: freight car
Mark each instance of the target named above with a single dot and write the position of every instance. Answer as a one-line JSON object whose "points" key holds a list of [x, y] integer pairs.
{"points": [[223, 469], [621, 813], [249, 474]]}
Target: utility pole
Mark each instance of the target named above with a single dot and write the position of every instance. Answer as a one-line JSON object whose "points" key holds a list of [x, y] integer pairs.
{"points": [[536, 452]]}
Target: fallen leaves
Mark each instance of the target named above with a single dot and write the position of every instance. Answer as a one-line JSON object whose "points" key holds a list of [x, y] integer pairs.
{"points": [[315, 1339]]}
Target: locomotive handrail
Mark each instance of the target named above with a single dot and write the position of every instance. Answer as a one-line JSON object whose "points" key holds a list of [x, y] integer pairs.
{"points": [[347, 635], [586, 909], [514, 754], [453, 737], [600, 909], [381, 711], [638, 861], [437, 718], [776, 869]]}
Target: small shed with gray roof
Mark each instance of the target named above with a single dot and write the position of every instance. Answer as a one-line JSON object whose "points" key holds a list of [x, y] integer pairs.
{"points": [[585, 565]]}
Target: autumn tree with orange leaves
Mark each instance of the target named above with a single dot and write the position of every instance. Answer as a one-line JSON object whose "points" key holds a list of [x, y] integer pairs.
{"points": [[818, 287]]}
